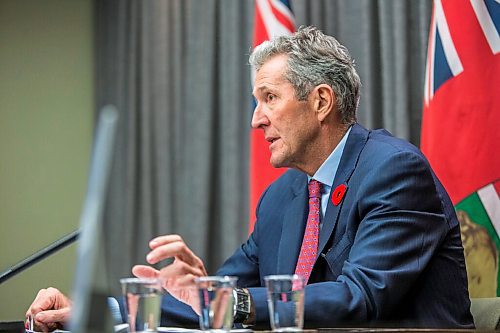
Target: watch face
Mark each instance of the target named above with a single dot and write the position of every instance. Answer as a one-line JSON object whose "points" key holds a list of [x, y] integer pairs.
{"points": [[243, 306], [243, 301]]}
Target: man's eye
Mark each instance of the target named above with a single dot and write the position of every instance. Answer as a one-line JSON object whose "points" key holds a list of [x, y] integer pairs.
{"points": [[271, 97]]}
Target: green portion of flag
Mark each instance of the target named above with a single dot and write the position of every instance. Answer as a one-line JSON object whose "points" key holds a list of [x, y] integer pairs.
{"points": [[473, 206]]}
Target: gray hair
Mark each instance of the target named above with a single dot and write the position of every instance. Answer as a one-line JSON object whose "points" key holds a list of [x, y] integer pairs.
{"points": [[313, 59]]}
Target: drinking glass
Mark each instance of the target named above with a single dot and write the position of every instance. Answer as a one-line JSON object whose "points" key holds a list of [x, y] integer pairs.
{"points": [[143, 303], [216, 302], [285, 297]]}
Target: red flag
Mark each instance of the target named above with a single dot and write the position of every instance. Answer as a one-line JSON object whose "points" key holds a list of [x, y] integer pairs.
{"points": [[272, 18], [461, 119]]}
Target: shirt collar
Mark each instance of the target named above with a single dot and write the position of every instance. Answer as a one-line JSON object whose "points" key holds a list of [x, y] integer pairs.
{"points": [[326, 172]]}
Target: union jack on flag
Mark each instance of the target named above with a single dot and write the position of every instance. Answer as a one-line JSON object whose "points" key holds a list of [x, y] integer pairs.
{"points": [[443, 60], [461, 127], [273, 18]]}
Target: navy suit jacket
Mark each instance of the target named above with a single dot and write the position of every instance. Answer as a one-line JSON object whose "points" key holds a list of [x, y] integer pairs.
{"points": [[390, 252]]}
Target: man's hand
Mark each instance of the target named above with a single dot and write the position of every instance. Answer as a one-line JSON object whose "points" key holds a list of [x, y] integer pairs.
{"points": [[50, 310], [178, 277]]}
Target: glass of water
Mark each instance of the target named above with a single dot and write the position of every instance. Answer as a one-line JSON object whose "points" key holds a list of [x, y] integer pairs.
{"points": [[216, 302], [143, 303], [285, 297]]}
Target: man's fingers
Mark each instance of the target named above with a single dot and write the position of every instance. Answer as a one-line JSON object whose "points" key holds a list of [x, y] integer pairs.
{"points": [[41, 327], [49, 320], [162, 240], [170, 250], [179, 274], [170, 246], [45, 299], [184, 289], [142, 271], [49, 310], [39, 302], [186, 281], [53, 316]]}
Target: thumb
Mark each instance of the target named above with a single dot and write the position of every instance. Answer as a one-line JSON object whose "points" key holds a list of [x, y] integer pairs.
{"points": [[53, 316], [142, 271]]}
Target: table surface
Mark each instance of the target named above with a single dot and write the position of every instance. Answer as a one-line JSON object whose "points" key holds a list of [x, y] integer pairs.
{"points": [[18, 326]]}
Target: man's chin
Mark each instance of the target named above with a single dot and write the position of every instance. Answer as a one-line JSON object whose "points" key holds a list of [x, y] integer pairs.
{"points": [[280, 158], [277, 163]]}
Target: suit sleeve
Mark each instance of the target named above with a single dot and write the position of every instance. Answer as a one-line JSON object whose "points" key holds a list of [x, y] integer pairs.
{"points": [[244, 263]]}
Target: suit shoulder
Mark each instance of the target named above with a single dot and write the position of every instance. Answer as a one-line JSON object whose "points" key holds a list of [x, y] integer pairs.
{"points": [[385, 144], [283, 187], [287, 179], [290, 175]]}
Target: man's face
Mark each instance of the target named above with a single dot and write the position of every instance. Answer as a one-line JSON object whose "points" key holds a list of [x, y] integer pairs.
{"points": [[290, 125]]}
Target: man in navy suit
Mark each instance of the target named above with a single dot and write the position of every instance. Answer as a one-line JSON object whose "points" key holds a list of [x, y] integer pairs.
{"points": [[389, 251]]}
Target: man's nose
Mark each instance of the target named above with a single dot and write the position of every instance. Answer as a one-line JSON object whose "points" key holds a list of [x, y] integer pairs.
{"points": [[259, 119]]}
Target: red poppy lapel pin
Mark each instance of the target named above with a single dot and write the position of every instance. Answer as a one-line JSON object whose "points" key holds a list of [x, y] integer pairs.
{"points": [[338, 194]]}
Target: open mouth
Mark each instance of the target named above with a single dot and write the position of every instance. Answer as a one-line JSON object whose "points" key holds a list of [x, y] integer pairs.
{"points": [[271, 143], [271, 140]]}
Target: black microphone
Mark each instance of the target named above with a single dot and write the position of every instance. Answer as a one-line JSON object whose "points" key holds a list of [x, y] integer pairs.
{"points": [[40, 255]]}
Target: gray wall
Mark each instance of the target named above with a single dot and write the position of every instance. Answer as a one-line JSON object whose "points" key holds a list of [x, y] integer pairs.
{"points": [[46, 118]]}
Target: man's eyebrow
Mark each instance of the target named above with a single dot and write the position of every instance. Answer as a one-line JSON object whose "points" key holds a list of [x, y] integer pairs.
{"points": [[262, 87], [257, 90]]}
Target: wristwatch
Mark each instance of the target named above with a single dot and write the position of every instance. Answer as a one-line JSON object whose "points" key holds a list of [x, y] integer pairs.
{"points": [[242, 305]]}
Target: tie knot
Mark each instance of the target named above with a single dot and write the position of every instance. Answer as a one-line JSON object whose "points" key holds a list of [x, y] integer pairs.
{"points": [[314, 188]]}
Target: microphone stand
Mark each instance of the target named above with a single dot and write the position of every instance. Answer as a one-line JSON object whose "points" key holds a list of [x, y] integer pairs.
{"points": [[40, 255]]}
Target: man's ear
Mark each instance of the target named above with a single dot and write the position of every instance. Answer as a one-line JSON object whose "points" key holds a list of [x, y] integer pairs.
{"points": [[324, 101]]}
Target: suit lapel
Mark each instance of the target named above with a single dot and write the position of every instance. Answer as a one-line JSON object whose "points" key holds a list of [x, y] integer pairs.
{"points": [[293, 227], [352, 149]]}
